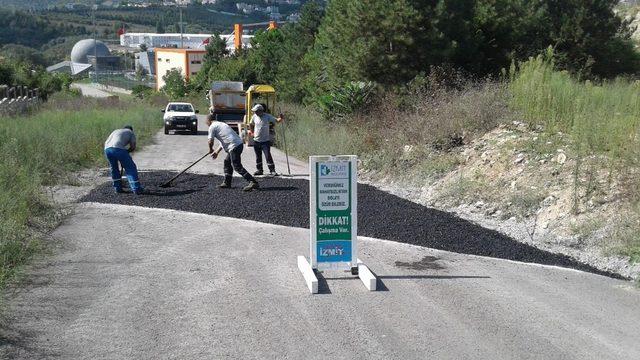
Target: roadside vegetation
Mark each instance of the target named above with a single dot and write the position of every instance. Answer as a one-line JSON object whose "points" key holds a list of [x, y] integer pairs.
{"points": [[13, 73], [45, 148], [433, 133]]}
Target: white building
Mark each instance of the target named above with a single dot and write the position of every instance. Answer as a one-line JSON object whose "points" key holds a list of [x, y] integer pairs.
{"points": [[189, 41]]}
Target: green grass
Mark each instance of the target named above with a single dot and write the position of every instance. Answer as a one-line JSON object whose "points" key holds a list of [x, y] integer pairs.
{"points": [[307, 133], [627, 237], [64, 136], [603, 118]]}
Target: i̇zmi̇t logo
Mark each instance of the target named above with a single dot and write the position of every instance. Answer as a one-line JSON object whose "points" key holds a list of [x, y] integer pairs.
{"points": [[334, 170], [333, 250]]}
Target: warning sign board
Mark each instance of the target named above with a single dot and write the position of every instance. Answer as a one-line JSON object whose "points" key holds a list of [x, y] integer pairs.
{"points": [[333, 211]]}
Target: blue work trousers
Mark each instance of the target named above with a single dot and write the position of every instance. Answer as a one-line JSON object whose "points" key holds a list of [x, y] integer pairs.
{"points": [[121, 156]]}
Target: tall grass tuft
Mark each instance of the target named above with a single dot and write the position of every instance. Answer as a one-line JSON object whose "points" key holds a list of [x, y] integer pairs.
{"points": [[308, 133], [45, 148], [601, 118]]}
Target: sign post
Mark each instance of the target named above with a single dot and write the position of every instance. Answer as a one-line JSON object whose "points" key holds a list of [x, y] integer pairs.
{"points": [[333, 219]]}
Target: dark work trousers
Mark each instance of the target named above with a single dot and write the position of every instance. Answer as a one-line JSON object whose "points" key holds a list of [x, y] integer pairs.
{"points": [[233, 162], [259, 148]]}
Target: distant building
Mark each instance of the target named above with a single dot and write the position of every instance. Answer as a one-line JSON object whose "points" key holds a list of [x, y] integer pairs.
{"points": [[294, 17], [146, 61], [83, 48], [68, 67], [188, 61], [173, 40], [85, 54]]}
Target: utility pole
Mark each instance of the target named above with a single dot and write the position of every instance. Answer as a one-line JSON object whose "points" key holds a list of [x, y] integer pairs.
{"points": [[181, 30], [95, 45]]}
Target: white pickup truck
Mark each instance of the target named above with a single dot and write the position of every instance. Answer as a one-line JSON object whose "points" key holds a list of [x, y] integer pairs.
{"points": [[180, 117]]}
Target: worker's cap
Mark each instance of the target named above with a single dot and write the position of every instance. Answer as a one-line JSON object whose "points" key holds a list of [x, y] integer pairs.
{"points": [[128, 127], [257, 107]]}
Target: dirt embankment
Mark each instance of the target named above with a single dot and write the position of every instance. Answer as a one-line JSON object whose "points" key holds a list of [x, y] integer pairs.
{"points": [[529, 186]]}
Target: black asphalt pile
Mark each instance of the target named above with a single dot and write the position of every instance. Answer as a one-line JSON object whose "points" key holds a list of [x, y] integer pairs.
{"points": [[285, 201]]}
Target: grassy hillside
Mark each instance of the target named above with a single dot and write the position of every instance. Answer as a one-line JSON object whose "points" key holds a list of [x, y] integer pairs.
{"points": [[45, 148], [541, 149]]}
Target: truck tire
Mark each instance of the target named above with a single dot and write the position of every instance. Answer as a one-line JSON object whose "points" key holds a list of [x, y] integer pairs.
{"points": [[194, 131], [166, 130]]}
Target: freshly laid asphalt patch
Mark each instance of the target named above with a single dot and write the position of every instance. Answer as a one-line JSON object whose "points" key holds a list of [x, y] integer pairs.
{"points": [[285, 201]]}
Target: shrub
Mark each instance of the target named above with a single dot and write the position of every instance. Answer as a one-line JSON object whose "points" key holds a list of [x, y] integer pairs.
{"points": [[141, 91], [346, 100]]}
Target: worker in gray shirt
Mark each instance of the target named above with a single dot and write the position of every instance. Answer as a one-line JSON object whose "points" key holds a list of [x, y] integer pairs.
{"points": [[261, 124], [232, 145], [117, 148]]}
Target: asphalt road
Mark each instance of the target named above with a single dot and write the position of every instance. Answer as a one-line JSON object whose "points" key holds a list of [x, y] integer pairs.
{"points": [[128, 282], [413, 223]]}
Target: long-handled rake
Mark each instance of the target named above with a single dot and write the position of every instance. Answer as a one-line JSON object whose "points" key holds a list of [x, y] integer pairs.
{"points": [[168, 183]]}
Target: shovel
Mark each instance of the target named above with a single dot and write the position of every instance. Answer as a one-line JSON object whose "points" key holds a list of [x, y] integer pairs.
{"points": [[168, 183]]}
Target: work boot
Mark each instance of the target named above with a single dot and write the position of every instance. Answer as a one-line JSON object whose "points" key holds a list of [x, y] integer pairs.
{"points": [[226, 184], [258, 173], [273, 173], [141, 191], [252, 185]]}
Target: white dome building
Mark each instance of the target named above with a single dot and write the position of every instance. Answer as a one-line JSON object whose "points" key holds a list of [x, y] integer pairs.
{"points": [[88, 47]]}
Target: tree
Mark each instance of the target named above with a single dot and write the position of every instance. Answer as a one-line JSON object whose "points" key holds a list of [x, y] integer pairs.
{"points": [[140, 73], [23, 54], [291, 82], [175, 85], [390, 42], [216, 50], [368, 40], [6, 73], [267, 50], [233, 68], [587, 36], [159, 26]]}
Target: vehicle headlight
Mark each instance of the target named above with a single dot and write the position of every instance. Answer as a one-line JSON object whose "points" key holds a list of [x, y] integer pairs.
{"points": [[166, 122]]}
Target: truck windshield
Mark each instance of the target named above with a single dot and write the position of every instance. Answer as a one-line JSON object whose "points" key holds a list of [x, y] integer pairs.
{"points": [[181, 108]]}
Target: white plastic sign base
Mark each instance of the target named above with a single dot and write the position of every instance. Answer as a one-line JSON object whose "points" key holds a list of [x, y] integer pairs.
{"points": [[308, 274], [368, 279]]}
